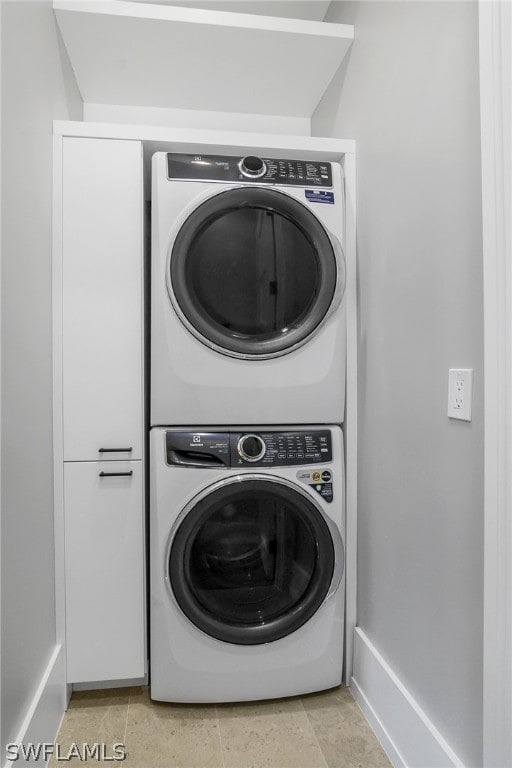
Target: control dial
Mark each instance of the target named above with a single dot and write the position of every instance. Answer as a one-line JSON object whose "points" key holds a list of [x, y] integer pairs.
{"points": [[251, 447], [253, 167]]}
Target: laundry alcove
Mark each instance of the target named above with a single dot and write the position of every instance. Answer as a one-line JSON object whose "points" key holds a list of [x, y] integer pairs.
{"points": [[100, 453]]}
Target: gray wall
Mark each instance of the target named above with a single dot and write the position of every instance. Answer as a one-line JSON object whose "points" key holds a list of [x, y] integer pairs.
{"points": [[409, 96], [37, 86]]}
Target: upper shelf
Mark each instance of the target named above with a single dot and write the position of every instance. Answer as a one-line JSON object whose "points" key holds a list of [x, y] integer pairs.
{"points": [[145, 55]]}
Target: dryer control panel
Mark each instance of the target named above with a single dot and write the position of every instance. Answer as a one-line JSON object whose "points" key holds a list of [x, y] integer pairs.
{"points": [[249, 449], [249, 168]]}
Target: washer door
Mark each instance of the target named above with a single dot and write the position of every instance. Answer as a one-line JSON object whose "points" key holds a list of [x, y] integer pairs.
{"points": [[253, 273], [251, 561]]}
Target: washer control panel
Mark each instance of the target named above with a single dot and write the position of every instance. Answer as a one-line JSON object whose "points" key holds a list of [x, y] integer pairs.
{"points": [[285, 449], [248, 449], [249, 168]]}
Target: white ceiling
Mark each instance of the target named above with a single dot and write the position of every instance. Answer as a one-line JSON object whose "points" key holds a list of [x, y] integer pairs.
{"points": [[312, 10]]}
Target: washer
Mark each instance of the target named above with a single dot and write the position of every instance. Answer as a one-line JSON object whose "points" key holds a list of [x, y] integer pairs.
{"points": [[247, 563], [248, 276]]}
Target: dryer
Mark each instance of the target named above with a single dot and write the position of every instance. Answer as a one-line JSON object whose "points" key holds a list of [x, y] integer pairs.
{"points": [[248, 276], [247, 562]]}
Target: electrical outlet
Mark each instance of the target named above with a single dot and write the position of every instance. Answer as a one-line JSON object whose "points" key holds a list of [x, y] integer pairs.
{"points": [[460, 392]]}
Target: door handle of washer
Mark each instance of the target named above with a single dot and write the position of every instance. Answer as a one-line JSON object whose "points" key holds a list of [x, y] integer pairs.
{"points": [[116, 474], [193, 459]]}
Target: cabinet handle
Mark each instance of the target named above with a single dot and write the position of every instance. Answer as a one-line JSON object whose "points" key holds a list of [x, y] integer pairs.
{"points": [[116, 474], [115, 450]]}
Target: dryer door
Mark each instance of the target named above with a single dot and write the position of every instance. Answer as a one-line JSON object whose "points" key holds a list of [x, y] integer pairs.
{"points": [[252, 560], [253, 273]]}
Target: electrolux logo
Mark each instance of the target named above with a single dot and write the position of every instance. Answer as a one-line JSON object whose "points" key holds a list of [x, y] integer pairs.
{"points": [[82, 752]]}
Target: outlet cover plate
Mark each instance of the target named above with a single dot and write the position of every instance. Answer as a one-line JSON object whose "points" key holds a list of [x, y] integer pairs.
{"points": [[460, 393]]}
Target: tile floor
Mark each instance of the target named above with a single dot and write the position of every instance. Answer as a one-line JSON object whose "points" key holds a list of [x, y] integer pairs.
{"points": [[321, 730]]}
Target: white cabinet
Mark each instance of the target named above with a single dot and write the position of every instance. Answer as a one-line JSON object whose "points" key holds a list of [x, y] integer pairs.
{"points": [[123, 53], [104, 551], [102, 309], [99, 357]]}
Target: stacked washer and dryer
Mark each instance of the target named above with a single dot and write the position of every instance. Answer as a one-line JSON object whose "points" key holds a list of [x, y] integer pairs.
{"points": [[247, 398]]}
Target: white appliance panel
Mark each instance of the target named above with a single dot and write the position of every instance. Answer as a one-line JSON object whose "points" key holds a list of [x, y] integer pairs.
{"points": [[194, 383], [187, 665]]}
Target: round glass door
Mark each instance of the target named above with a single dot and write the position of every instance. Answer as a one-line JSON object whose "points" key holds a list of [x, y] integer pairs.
{"points": [[252, 272], [251, 562]]}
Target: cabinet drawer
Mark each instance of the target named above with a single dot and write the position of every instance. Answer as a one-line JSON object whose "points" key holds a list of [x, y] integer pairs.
{"points": [[104, 556], [102, 302]]}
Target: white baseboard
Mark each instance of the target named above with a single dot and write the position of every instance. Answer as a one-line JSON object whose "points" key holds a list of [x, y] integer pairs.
{"points": [[407, 735], [43, 717], [105, 684]]}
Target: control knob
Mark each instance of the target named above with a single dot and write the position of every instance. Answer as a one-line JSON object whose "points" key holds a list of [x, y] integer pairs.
{"points": [[251, 448], [253, 167]]}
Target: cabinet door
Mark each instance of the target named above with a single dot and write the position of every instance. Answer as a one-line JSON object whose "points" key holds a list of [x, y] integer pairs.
{"points": [[102, 298], [104, 551]]}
